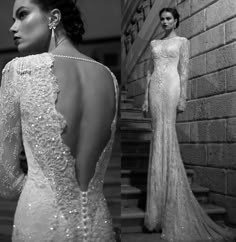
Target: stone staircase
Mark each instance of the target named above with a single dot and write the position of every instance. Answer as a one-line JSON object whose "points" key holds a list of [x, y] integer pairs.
{"points": [[135, 141]]}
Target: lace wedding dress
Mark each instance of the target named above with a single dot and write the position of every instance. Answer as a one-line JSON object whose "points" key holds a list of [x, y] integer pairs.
{"points": [[51, 206], [171, 204]]}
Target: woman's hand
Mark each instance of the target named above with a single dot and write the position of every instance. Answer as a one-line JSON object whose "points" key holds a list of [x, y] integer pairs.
{"points": [[145, 106], [181, 105]]}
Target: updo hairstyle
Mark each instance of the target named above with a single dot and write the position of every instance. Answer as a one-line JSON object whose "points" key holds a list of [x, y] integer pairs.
{"points": [[70, 16]]}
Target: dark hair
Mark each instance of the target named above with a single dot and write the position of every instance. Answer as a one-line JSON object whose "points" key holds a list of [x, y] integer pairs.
{"points": [[173, 11], [71, 16]]}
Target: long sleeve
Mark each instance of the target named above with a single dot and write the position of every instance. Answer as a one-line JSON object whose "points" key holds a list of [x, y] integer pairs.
{"points": [[12, 177], [184, 69], [149, 73]]}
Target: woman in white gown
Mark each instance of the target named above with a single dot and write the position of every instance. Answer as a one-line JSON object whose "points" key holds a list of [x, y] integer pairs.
{"points": [[171, 204], [52, 102]]}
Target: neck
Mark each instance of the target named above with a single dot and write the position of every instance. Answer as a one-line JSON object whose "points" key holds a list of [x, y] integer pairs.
{"points": [[170, 34], [58, 40]]}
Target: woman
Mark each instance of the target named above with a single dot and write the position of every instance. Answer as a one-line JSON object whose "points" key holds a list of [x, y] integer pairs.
{"points": [[171, 205], [52, 102]]}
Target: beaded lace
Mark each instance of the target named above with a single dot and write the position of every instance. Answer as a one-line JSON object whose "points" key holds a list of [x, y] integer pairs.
{"points": [[171, 205], [51, 203]]}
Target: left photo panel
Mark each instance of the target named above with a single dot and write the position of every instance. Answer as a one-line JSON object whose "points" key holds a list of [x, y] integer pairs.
{"points": [[60, 155]]}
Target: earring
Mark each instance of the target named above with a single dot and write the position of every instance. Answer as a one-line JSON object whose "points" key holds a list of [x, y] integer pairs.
{"points": [[52, 26]]}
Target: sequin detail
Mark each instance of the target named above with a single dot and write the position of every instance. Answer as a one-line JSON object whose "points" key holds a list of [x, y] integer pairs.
{"points": [[171, 205], [51, 201]]}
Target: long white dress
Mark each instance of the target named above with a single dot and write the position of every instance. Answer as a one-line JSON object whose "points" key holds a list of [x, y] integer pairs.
{"points": [[51, 206], [171, 204]]}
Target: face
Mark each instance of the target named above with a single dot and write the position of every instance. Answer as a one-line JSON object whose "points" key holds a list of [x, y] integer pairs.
{"points": [[167, 21], [30, 28]]}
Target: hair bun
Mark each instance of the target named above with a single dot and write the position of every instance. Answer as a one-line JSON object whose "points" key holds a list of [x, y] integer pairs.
{"points": [[71, 17]]}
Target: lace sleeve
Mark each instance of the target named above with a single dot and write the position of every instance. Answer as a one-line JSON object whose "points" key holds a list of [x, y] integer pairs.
{"points": [[11, 176], [184, 69], [149, 71]]}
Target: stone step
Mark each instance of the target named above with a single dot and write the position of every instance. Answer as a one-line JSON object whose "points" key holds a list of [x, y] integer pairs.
{"points": [[135, 133], [114, 206], [131, 113], [134, 161], [135, 146], [139, 176], [125, 105], [115, 161], [136, 123], [6, 226], [136, 195], [133, 217], [111, 188], [113, 173], [123, 94]]}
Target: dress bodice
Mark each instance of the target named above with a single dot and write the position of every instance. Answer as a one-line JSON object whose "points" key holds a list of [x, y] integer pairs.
{"points": [[166, 52], [51, 166]]}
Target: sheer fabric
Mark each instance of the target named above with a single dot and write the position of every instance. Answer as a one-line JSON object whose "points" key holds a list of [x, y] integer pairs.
{"points": [[51, 206], [171, 204]]}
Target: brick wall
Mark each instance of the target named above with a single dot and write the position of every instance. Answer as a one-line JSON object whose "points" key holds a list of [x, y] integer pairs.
{"points": [[207, 129]]}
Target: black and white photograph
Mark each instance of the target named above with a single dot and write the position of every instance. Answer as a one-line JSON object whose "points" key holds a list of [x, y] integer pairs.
{"points": [[118, 121]]}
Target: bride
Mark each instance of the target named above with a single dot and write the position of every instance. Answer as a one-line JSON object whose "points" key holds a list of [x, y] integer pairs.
{"points": [[171, 204], [52, 103]]}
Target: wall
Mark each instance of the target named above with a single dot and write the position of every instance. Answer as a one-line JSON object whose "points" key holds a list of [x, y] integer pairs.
{"points": [[207, 129]]}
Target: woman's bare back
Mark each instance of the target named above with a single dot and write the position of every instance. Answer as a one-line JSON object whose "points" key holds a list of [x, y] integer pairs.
{"points": [[87, 102]]}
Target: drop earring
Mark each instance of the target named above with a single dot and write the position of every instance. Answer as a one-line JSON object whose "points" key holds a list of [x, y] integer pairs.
{"points": [[53, 42]]}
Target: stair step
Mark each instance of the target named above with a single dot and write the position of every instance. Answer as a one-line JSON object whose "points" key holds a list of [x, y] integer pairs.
{"points": [[112, 187], [141, 171], [126, 105], [128, 100], [136, 123], [127, 189], [135, 133], [114, 205], [136, 120], [136, 130], [134, 161], [135, 175], [131, 113], [135, 141], [123, 95], [135, 146], [136, 195], [133, 217], [113, 177]]}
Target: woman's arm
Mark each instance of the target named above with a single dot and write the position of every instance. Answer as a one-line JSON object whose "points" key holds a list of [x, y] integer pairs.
{"points": [[148, 78], [12, 177], [183, 73]]}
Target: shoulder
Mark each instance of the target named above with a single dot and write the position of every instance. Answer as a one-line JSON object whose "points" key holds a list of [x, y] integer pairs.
{"points": [[36, 61], [184, 43], [21, 64], [184, 40], [153, 42]]}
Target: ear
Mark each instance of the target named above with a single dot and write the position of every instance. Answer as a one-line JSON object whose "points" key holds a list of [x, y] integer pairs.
{"points": [[55, 17], [175, 23]]}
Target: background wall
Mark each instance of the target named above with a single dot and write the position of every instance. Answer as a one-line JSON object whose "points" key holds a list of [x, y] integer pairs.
{"points": [[207, 129]]}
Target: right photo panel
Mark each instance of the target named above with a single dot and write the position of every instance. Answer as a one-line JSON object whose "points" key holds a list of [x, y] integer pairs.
{"points": [[178, 120]]}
